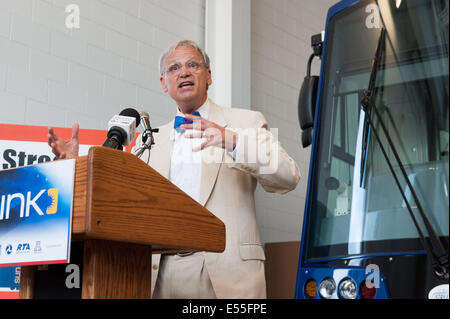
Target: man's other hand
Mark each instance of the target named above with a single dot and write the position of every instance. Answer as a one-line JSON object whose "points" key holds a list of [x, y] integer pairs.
{"points": [[62, 148]]}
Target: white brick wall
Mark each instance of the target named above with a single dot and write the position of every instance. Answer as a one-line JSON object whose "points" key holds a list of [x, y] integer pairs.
{"points": [[52, 75], [281, 35]]}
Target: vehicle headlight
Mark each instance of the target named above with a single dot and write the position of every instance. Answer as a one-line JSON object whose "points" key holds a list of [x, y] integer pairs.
{"points": [[310, 288], [347, 289], [327, 288]]}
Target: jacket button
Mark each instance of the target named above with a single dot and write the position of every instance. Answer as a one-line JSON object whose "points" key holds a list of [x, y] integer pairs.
{"points": [[155, 267]]}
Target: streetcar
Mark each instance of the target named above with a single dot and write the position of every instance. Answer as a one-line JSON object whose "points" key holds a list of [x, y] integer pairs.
{"points": [[376, 221]]}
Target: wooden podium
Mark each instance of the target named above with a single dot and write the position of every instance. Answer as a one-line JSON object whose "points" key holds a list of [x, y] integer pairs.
{"points": [[123, 211]]}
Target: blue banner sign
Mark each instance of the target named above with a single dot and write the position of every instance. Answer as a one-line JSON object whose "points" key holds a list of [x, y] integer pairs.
{"points": [[9, 282], [36, 213]]}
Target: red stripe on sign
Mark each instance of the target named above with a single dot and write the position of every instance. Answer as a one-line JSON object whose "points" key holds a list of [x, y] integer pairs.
{"points": [[9, 295], [28, 133], [31, 263]]}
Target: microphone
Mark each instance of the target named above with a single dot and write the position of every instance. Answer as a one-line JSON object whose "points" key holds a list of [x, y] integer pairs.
{"points": [[145, 118], [147, 135], [122, 129]]}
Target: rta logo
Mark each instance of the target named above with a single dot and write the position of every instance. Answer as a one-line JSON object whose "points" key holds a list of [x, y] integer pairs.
{"points": [[8, 249], [26, 202], [23, 247]]}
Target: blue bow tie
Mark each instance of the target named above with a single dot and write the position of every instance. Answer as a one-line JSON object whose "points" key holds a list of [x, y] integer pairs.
{"points": [[179, 120]]}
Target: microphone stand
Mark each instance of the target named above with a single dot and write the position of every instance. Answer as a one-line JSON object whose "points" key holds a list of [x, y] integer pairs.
{"points": [[147, 136]]}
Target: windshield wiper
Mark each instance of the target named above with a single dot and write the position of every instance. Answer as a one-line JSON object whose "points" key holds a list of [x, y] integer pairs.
{"points": [[436, 251], [365, 102]]}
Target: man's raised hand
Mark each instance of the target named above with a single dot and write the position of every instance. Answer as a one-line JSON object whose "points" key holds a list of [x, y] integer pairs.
{"points": [[64, 148], [214, 134]]}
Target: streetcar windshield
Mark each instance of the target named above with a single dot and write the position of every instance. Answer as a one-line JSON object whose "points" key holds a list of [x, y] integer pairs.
{"points": [[356, 207]]}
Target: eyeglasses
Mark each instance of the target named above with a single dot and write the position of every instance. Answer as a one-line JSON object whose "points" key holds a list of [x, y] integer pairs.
{"points": [[192, 66]]}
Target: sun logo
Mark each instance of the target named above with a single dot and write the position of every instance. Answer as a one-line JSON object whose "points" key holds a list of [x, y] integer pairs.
{"points": [[53, 194]]}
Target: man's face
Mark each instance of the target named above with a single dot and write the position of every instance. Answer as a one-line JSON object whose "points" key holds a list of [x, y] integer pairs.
{"points": [[186, 77]]}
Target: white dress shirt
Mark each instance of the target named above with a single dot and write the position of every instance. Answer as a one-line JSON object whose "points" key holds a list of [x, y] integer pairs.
{"points": [[186, 165]]}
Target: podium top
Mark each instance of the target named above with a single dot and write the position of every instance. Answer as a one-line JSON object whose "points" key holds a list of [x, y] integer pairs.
{"points": [[120, 198]]}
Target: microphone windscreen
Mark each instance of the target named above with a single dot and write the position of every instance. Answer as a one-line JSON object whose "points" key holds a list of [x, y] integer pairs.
{"points": [[132, 113]]}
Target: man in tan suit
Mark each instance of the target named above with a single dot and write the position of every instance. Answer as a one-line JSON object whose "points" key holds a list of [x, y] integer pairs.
{"points": [[217, 160]]}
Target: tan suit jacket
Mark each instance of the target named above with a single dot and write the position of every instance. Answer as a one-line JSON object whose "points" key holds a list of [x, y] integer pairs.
{"points": [[227, 190]]}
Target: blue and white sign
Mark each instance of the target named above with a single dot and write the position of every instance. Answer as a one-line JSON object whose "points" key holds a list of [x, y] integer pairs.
{"points": [[36, 213], [9, 282]]}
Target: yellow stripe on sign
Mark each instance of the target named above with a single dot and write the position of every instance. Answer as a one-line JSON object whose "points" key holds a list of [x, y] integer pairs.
{"points": [[53, 193]]}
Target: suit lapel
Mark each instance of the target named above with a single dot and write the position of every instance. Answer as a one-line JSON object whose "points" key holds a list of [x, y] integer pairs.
{"points": [[212, 157]]}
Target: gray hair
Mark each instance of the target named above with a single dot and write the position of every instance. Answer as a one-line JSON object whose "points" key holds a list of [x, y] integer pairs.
{"points": [[182, 43]]}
